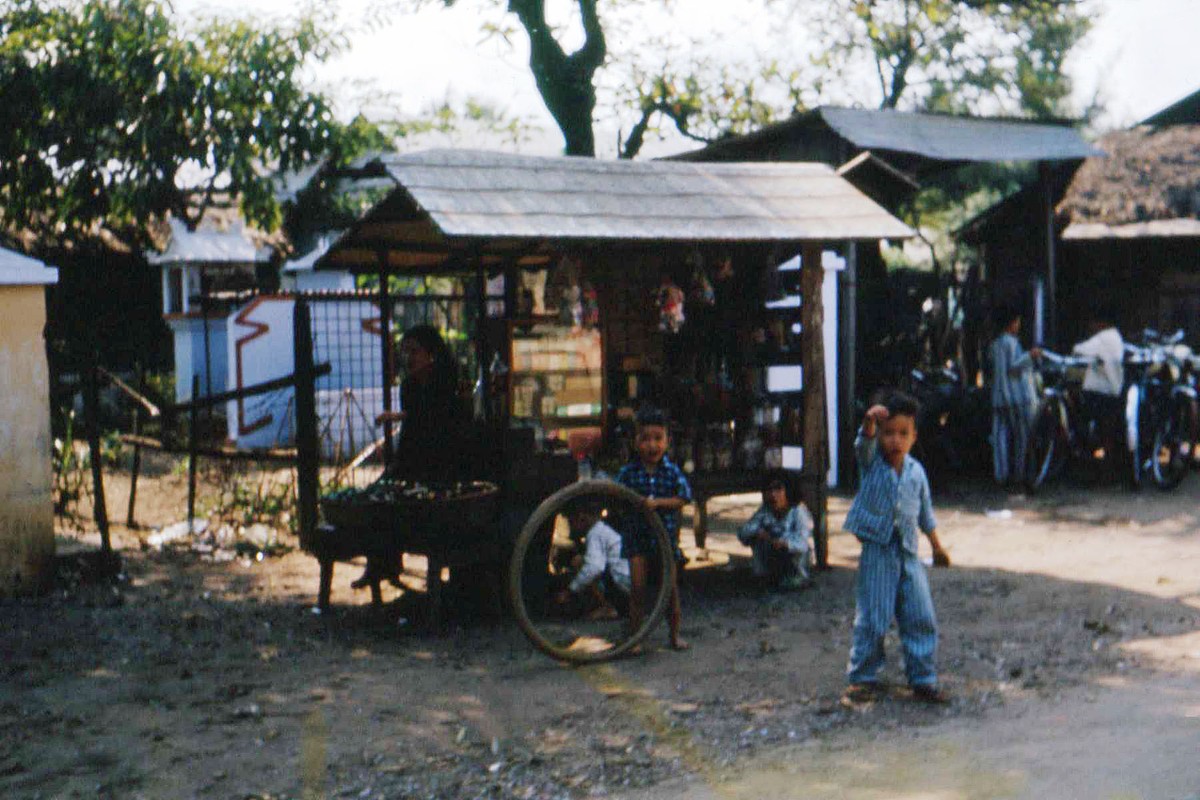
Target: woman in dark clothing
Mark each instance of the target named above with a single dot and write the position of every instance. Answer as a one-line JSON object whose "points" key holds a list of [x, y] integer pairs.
{"points": [[431, 409], [431, 416]]}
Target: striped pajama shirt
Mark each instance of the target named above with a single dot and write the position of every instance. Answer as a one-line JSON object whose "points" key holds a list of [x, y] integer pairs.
{"points": [[885, 516], [1014, 402]]}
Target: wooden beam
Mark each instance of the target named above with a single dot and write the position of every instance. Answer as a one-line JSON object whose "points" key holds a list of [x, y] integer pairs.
{"points": [[240, 394], [133, 394], [816, 438]]}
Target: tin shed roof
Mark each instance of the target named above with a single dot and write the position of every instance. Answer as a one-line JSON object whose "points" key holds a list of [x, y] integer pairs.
{"points": [[951, 138], [451, 200], [917, 144], [210, 245]]}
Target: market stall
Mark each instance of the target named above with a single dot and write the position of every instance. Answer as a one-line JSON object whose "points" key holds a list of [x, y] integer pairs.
{"points": [[693, 287]]}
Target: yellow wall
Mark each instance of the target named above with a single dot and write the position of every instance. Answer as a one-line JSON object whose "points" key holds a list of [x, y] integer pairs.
{"points": [[26, 512]]}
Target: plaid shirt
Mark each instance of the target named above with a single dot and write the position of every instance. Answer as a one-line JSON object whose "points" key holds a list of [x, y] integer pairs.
{"points": [[667, 480]]}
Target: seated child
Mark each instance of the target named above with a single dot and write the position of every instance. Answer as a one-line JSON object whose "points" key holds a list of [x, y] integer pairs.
{"points": [[778, 536], [603, 574]]}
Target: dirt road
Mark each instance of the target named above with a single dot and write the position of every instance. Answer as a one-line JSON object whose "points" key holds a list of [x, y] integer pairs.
{"points": [[1070, 640]]}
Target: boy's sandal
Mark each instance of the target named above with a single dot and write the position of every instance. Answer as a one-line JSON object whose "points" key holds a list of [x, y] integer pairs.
{"points": [[860, 693], [931, 694]]}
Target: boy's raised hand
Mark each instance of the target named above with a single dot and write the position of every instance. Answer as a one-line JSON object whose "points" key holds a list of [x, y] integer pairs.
{"points": [[875, 414]]}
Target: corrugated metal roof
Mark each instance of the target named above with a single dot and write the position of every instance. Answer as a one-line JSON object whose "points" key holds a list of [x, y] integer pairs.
{"points": [[210, 246], [950, 138], [473, 194], [21, 270]]}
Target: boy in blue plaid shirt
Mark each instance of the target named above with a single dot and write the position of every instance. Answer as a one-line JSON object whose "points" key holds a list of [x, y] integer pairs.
{"points": [[653, 475]]}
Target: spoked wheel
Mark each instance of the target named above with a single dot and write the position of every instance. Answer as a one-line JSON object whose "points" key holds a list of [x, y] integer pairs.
{"points": [[1047, 449], [1171, 449], [1139, 435], [590, 625]]}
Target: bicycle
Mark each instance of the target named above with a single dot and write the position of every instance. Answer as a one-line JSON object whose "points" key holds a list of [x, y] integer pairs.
{"points": [[1061, 431], [1161, 410]]}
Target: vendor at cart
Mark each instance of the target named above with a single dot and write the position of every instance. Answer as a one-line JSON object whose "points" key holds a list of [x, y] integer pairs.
{"points": [[431, 415]]}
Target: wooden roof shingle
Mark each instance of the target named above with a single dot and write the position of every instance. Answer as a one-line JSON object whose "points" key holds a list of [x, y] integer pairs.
{"points": [[473, 198]]}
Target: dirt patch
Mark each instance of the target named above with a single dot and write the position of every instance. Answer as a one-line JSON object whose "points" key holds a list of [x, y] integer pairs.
{"points": [[199, 678]]}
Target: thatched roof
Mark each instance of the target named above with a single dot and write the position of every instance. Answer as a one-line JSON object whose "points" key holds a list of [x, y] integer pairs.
{"points": [[1149, 185]]}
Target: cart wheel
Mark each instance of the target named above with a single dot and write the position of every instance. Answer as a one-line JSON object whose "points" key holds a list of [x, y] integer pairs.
{"points": [[591, 626]]}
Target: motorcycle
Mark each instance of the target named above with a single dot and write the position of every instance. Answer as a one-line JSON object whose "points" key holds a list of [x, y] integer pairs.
{"points": [[1161, 413], [952, 422]]}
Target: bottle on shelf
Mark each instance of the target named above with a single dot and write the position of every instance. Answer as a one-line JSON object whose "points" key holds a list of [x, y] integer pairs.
{"points": [[498, 373]]}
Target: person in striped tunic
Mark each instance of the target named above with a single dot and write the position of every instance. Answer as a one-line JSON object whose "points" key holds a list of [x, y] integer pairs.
{"points": [[892, 503], [1014, 400]]}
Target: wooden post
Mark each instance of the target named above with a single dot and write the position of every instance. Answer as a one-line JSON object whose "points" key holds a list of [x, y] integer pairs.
{"points": [[193, 444], [387, 370], [1046, 184], [92, 409], [816, 439], [481, 367], [847, 324], [307, 451], [134, 469]]}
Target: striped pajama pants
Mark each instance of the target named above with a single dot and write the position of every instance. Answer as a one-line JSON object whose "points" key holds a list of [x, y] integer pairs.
{"points": [[1011, 426], [892, 583]]}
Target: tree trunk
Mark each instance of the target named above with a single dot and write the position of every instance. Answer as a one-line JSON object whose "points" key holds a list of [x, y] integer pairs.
{"points": [[566, 82]]}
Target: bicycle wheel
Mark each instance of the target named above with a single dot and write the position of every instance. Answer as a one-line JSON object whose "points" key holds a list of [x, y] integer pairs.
{"points": [[1046, 451], [1171, 451], [584, 629]]}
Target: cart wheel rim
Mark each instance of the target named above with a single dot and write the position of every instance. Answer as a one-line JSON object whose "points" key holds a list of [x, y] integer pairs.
{"points": [[580, 652]]}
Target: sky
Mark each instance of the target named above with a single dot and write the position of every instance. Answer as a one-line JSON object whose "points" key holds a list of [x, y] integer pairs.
{"points": [[1141, 56]]}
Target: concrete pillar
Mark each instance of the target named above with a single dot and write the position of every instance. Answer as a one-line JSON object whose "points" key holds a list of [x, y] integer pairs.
{"points": [[26, 504]]}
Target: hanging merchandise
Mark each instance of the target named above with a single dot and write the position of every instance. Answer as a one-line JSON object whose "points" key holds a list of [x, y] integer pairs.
{"points": [[591, 306], [750, 451], [669, 299], [700, 293], [570, 311]]}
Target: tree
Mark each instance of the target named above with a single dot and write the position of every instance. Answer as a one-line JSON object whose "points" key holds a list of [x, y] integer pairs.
{"points": [[565, 80], [950, 55], [115, 116], [957, 55]]}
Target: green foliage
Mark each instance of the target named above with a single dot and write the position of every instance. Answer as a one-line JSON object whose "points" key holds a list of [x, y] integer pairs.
{"points": [[69, 469], [246, 496], [115, 115], [958, 56]]}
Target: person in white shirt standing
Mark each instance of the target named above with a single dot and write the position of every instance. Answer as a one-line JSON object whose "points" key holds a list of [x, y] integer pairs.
{"points": [[1105, 378]]}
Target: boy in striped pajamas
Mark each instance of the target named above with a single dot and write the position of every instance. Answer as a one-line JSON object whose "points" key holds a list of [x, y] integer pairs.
{"points": [[892, 503]]}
